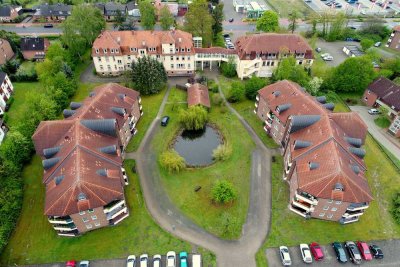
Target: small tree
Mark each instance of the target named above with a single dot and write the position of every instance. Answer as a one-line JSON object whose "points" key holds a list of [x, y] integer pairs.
{"points": [[218, 18], [253, 85], [228, 69], [223, 192], [147, 14], [395, 210], [289, 70], [119, 18], [148, 75], [314, 85], [166, 18], [16, 148], [293, 20], [366, 43], [222, 152], [193, 118], [236, 93], [172, 161], [269, 22]]}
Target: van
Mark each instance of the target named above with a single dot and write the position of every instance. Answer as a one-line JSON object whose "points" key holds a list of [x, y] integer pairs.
{"points": [[196, 260]]}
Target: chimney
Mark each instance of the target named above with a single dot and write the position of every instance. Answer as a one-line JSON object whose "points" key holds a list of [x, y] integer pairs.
{"points": [[143, 43], [118, 40], [180, 40]]}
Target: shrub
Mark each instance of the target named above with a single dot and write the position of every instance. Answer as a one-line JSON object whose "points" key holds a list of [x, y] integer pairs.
{"points": [[217, 100], [223, 192], [223, 109], [366, 43], [253, 85], [228, 69], [172, 161], [395, 210], [236, 93], [222, 152], [193, 118]]}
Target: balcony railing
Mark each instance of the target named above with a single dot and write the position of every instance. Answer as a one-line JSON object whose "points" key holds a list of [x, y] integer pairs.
{"points": [[118, 219], [299, 212], [353, 214], [306, 199], [348, 220], [302, 206], [357, 206], [118, 204], [256, 104], [258, 98], [116, 212], [60, 221], [65, 228]]}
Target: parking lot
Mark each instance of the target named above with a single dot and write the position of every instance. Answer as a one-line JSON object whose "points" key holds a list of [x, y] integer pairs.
{"points": [[335, 49], [389, 247]]}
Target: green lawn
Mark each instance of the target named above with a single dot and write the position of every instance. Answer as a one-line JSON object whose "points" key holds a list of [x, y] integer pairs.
{"points": [[222, 220], [34, 241], [382, 122], [246, 109], [284, 8], [151, 105]]}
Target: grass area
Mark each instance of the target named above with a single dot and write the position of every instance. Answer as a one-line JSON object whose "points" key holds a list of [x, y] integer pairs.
{"points": [[382, 122], [222, 220], [30, 242], [284, 8], [246, 109], [151, 105], [352, 99], [395, 160]]}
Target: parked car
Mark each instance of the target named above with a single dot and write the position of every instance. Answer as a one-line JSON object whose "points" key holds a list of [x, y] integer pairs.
{"points": [[376, 251], [325, 55], [48, 25], [226, 35], [328, 58], [157, 260], [183, 259], [373, 111], [164, 121], [340, 253], [316, 251], [131, 261], [318, 49], [231, 20], [305, 253], [84, 264], [71, 263], [171, 259], [354, 253], [144, 260], [285, 256], [196, 260], [364, 250], [377, 44], [308, 1]]}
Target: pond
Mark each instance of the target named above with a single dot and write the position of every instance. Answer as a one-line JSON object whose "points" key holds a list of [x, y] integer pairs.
{"points": [[196, 147]]}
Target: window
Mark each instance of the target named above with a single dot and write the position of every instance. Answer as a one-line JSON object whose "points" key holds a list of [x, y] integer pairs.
{"points": [[329, 216], [90, 210], [99, 59], [94, 217], [177, 58], [183, 58], [369, 92], [105, 50], [101, 67], [84, 219], [322, 214], [81, 213], [142, 52], [330, 201], [112, 51], [188, 66], [334, 209], [338, 202], [119, 61], [300, 62], [89, 226], [107, 59], [189, 58], [132, 49], [97, 51], [172, 58], [326, 207], [272, 63], [129, 57], [171, 50], [188, 49], [172, 66], [177, 50], [97, 224], [116, 50], [182, 49]]}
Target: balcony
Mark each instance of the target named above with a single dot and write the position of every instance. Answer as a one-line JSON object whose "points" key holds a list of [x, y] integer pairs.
{"points": [[258, 98], [353, 214], [348, 220], [392, 35], [141, 113], [256, 104], [140, 100], [270, 116], [255, 111], [65, 228], [299, 212], [117, 212], [60, 220], [306, 198], [140, 107], [114, 205], [268, 122], [118, 218], [302, 205], [267, 129], [357, 206]]}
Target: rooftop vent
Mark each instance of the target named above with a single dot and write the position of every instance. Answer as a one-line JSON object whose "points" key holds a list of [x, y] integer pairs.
{"points": [[75, 105], [50, 152], [68, 113], [283, 107], [339, 187], [119, 111], [91, 94], [355, 169], [48, 163], [102, 172], [276, 93], [313, 165], [357, 142], [112, 150], [302, 121], [59, 179], [298, 144], [122, 96], [329, 106], [321, 99], [359, 152], [103, 126], [81, 196]]}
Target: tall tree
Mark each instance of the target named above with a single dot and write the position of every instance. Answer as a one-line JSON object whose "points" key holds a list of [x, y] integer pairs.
{"points": [[218, 16], [16, 148], [148, 75], [269, 22], [166, 18], [82, 28], [289, 70], [293, 20], [119, 18], [198, 21], [147, 14]]}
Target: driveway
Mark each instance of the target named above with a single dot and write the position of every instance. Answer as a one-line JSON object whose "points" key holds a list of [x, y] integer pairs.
{"points": [[379, 134], [335, 49], [389, 248]]}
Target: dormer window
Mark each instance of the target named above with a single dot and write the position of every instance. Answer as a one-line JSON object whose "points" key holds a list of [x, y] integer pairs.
{"points": [[177, 49], [116, 50], [188, 49], [97, 50], [112, 51], [182, 49], [105, 50]]}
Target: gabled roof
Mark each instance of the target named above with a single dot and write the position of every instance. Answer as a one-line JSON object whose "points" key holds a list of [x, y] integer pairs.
{"points": [[53, 10], [32, 44], [5, 11], [387, 91], [197, 94]]}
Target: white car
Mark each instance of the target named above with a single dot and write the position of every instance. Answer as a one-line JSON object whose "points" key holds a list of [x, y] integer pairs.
{"points": [[285, 256], [144, 260], [305, 253], [325, 55], [171, 259], [328, 58], [84, 264], [157, 260], [373, 111], [131, 261]]}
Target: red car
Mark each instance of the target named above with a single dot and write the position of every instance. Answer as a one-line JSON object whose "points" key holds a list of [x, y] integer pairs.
{"points": [[364, 250], [316, 251], [70, 264]]}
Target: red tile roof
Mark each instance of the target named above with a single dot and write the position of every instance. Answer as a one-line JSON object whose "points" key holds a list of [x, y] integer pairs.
{"points": [[197, 94], [215, 50]]}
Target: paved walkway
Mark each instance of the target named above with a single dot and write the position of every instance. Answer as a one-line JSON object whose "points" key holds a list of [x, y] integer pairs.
{"points": [[375, 131], [88, 77], [229, 253]]}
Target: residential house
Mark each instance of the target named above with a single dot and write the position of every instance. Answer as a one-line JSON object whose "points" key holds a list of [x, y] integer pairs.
{"points": [[240, 5], [394, 38], [6, 90], [82, 160], [114, 51], [9, 13], [172, 7], [111, 9], [322, 150], [133, 9], [6, 52], [384, 92], [57, 12], [34, 48], [197, 94], [260, 54]]}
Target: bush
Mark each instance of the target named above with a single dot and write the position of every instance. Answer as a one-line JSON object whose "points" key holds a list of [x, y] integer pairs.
{"points": [[366, 43], [194, 118], [172, 161], [217, 100], [395, 210], [222, 152], [236, 93], [223, 192], [253, 85], [228, 69]]}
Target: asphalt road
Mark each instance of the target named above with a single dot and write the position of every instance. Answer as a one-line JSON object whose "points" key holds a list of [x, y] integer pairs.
{"points": [[390, 249], [379, 134]]}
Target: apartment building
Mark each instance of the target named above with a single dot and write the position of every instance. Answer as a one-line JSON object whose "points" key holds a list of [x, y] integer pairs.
{"points": [[6, 90], [82, 160], [114, 51], [322, 150], [383, 92], [260, 54]]}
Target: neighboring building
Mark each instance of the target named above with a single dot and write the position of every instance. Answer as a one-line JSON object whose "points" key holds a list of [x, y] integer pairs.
{"points": [[57, 12], [6, 52], [352, 51], [111, 9], [34, 48], [254, 10], [82, 160], [322, 150], [394, 39], [172, 7], [384, 92], [133, 9], [182, 9], [9, 13], [260, 54], [6, 90], [114, 51], [197, 94], [240, 6]]}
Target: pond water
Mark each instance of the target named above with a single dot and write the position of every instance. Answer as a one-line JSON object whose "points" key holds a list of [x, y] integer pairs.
{"points": [[196, 147]]}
